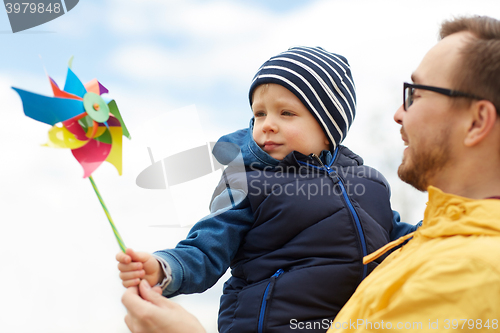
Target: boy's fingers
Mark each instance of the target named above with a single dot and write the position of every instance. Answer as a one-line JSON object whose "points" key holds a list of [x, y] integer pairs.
{"points": [[131, 283], [140, 256], [132, 275], [135, 266], [123, 258]]}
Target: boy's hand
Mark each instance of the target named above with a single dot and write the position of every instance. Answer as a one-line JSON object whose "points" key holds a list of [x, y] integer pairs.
{"points": [[135, 266]]}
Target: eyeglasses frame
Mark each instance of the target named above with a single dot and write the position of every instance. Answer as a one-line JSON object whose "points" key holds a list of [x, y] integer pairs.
{"points": [[443, 91]]}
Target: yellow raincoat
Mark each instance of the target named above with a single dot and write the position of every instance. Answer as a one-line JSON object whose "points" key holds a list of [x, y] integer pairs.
{"points": [[447, 278]]}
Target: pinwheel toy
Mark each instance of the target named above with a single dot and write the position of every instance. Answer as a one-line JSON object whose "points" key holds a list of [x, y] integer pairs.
{"points": [[84, 122]]}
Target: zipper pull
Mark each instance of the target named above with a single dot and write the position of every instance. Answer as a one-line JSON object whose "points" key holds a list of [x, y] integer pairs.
{"points": [[313, 155], [316, 157], [272, 281]]}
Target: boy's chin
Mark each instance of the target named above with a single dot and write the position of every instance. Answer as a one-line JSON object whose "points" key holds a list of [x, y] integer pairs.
{"points": [[278, 157]]}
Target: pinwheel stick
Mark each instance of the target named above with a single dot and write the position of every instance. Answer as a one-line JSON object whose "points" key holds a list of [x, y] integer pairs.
{"points": [[115, 231]]}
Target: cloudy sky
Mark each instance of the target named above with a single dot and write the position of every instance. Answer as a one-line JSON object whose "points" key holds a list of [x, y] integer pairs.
{"points": [[179, 71]]}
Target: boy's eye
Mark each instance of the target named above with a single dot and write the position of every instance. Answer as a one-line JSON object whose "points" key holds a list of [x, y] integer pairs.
{"points": [[287, 113], [259, 114]]}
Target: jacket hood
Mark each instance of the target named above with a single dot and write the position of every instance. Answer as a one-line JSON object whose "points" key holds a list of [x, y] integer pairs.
{"points": [[230, 145]]}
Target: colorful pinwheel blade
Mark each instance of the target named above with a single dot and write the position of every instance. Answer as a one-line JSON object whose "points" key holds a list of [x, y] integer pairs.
{"points": [[73, 125], [113, 108], [60, 137], [61, 93], [73, 84], [115, 155], [91, 156], [103, 135], [96, 87], [49, 110]]}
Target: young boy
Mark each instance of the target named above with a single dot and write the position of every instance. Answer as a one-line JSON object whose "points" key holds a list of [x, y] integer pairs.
{"points": [[293, 227]]}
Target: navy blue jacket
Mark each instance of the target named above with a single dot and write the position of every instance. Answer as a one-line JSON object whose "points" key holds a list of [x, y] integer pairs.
{"points": [[302, 259]]}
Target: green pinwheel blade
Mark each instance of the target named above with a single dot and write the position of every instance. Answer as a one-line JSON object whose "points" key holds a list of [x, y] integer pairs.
{"points": [[115, 112], [105, 137]]}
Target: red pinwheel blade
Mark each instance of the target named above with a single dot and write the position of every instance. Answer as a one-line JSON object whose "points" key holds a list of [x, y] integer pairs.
{"points": [[91, 156], [76, 129]]}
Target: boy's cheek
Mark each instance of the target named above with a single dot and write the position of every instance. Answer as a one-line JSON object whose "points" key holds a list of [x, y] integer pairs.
{"points": [[255, 133]]}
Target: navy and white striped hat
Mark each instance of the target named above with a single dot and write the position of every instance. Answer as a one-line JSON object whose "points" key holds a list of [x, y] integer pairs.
{"points": [[321, 80]]}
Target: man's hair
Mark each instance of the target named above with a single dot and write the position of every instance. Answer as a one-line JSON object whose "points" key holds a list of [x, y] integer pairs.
{"points": [[479, 73]]}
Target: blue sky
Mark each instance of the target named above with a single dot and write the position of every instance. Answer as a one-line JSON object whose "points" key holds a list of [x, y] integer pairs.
{"points": [[179, 71]]}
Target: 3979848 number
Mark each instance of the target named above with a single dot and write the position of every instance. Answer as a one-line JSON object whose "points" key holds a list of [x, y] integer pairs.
{"points": [[471, 324], [32, 7]]}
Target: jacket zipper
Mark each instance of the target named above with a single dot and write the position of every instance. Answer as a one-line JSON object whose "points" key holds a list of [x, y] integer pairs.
{"points": [[351, 209], [267, 295]]}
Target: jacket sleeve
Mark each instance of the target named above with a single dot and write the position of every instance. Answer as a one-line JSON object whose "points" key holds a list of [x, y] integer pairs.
{"points": [[198, 261], [400, 229]]}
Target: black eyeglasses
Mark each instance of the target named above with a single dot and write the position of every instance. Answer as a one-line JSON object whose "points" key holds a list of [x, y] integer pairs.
{"points": [[409, 90]]}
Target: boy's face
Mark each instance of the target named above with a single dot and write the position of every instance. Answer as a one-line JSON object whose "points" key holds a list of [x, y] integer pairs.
{"points": [[283, 124]]}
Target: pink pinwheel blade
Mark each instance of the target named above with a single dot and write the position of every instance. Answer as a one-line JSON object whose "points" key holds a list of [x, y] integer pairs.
{"points": [[91, 156]]}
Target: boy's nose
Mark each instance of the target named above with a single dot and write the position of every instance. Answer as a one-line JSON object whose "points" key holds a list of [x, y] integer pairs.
{"points": [[269, 125]]}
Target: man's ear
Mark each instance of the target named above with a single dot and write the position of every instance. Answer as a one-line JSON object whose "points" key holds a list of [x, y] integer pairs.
{"points": [[483, 118]]}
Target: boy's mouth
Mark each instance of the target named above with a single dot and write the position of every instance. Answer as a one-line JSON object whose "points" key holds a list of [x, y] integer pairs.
{"points": [[270, 145]]}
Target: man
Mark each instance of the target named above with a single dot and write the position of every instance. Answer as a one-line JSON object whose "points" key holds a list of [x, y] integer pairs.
{"points": [[448, 275]]}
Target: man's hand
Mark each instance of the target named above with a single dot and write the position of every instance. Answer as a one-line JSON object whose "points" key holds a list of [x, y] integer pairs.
{"points": [[135, 266], [154, 313]]}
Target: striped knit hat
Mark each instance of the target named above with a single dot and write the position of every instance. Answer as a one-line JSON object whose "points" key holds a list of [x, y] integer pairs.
{"points": [[321, 80]]}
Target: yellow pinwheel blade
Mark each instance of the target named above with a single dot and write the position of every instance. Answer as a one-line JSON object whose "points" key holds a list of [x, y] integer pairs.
{"points": [[115, 155], [60, 137]]}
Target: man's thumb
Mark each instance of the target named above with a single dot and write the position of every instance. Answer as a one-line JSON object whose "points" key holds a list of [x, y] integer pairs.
{"points": [[150, 295]]}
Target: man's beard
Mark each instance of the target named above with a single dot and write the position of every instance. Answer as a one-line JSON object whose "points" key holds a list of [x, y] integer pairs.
{"points": [[425, 162]]}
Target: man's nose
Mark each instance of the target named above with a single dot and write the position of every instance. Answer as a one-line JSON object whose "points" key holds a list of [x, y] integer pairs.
{"points": [[398, 116]]}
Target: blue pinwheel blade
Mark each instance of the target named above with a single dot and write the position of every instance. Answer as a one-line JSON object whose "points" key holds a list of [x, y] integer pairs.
{"points": [[49, 110], [73, 85]]}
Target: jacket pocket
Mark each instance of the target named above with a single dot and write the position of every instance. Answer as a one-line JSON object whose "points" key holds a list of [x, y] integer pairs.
{"points": [[266, 298]]}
